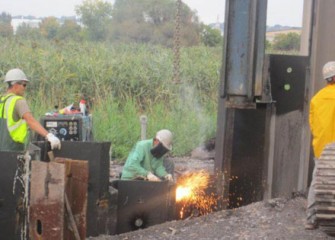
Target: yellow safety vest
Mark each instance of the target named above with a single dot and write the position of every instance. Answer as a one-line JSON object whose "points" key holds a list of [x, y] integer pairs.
{"points": [[18, 130]]}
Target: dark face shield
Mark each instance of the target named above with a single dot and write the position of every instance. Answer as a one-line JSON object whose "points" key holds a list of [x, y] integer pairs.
{"points": [[159, 150]]}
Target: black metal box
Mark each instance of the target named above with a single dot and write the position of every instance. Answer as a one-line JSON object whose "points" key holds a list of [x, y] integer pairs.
{"points": [[142, 204]]}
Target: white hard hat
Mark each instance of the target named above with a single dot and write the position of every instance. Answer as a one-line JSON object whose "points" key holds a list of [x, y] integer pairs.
{"points": [[15, 74], [328, 70], [165, 137]]}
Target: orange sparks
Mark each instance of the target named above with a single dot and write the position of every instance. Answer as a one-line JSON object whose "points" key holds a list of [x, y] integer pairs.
{"points": [[191, 184], [190, 193]]}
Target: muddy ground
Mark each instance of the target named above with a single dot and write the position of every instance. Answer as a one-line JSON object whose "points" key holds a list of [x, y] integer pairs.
{"points": [[279, 218]]}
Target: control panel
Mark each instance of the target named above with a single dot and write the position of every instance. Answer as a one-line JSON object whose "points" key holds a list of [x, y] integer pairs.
{"points": [[74, 127]]}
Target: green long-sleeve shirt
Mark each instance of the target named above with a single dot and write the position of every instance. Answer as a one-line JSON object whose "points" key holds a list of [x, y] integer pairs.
{"points": [[140, 161]]}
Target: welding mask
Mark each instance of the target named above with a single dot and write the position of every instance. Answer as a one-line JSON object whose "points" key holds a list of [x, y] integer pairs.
{"points": [[159, 150]]}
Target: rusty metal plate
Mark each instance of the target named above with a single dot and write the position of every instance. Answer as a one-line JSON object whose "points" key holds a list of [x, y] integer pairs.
{"points": [[98, 219], [76, 191], [47, 201], [96, 154]]}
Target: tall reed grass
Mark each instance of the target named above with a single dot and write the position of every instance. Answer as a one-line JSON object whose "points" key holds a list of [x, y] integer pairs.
{"points": [[122, 82]]}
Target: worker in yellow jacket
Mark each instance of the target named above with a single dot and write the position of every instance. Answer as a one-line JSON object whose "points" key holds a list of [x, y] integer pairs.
{"points": [[16, 117], [322, 125]]}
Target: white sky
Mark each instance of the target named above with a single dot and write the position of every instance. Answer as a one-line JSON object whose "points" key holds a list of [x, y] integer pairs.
{"points": [[283, 12]]}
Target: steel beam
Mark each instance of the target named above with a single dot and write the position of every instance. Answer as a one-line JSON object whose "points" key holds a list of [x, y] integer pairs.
{"points": [[245, 26], [241, 84]]}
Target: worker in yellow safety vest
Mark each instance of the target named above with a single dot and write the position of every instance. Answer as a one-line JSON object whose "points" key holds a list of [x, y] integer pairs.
{"points": [[16, 117]]}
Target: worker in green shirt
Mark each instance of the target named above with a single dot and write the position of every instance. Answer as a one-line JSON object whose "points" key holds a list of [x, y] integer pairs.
{"points": [[146, 160]]}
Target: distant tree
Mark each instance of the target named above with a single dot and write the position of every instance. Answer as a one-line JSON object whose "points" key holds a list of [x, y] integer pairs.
{"points": [[96, 15], [49, 27], [25, 31], [286, 42], [211, 37], [6, 29], [69, 30], [153, 21]]}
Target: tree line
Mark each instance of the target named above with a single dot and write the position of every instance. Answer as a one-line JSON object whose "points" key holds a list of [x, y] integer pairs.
{"points": [[126, 21]]}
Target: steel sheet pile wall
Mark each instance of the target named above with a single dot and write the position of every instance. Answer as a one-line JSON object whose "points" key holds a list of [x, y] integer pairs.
{"points": [[8, 163], [96, 153], [242, 122], [290, 92]]}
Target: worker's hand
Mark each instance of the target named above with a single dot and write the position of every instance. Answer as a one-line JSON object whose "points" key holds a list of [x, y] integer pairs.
{"points": [[169, 177], [54, 141], [152, 177]]}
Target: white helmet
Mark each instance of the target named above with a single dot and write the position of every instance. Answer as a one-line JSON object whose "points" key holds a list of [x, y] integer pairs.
{"points": [[328, 70], [15, 75], [165, 137]]}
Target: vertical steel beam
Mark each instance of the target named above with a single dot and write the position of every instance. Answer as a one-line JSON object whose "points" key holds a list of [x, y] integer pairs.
{"points": [[241, 79], [245, 26], [307, 26], [323, 47]]}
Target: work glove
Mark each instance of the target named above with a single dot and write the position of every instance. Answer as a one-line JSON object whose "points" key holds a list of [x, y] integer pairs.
{"points": [[152, 177], [54, 141], [169, 177]]}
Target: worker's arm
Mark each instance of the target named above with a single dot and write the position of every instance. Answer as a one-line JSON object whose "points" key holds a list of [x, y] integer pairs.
{"points": [[133, 167], [159, 168], [34, 124], [37, 127]]}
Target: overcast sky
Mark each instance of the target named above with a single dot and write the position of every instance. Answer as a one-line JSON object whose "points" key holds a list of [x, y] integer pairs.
{"points": [[283, 12]]}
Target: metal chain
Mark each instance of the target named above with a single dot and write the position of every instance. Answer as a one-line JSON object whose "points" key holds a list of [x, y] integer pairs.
{"points": [[176, 45]]}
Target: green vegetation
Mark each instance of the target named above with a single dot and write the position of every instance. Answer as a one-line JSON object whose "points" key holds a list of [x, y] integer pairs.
{"points": [[126, 21], [122, 60], [122, 83], [5, 26], [96, 16], [152, 21], [284, 44]]}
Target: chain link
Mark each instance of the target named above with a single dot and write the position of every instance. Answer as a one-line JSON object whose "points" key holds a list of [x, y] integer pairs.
{"points": [[176, 45]]}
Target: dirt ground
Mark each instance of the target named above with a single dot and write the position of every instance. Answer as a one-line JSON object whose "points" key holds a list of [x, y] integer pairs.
{"points": [[271, 219]]}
